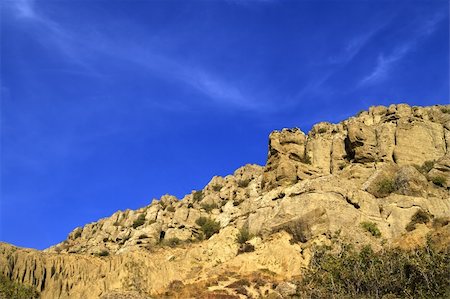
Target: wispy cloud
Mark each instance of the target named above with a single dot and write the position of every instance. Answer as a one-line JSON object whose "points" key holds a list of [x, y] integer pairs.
{"points": [[48, 32], [338, 62], [78, 50], [357, 43], [23, 8], [353, 47], [216, 88], [196, 77], [385, 63]]}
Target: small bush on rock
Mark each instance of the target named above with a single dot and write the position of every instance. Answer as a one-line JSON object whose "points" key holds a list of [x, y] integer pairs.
{"points": [[198, 196], [217, 187], [419, 217], [372, 228], [306, 159], [103, 253], [385, 187], [77, 234], [243, 183], [139, 221], [243, 236], [208, 226], [439, 181], [425, 167], [209, 207], [299, 230]]}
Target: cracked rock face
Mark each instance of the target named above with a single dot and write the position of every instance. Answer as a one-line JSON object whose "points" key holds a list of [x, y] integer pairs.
{"points": [[381, 166]]}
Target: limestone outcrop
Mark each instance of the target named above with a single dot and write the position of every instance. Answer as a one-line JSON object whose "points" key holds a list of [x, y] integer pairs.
{"points": [[380, 167]]}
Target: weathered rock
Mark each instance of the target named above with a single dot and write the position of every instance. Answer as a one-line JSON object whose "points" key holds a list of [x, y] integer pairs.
{"points": [[441, 171], [418, 141], [314, 187], [361, 142], [409, 181]]}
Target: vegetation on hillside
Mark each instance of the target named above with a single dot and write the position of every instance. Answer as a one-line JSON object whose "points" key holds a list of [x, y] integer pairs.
{"points": [[139, 221], [208, 226], [372, 228], [13, 290], [389, 273]]}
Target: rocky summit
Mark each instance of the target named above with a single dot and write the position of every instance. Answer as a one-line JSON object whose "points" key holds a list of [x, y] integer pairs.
{"points": [[378, 182]]}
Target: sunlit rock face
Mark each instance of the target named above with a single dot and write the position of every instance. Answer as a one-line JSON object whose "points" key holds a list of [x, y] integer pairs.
{"points": [[381, 166]]}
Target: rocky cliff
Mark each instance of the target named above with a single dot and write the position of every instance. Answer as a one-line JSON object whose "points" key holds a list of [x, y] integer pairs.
{"points": [[364, 180]]}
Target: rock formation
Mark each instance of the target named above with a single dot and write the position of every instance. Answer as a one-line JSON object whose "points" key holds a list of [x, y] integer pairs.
{"points": [[380, 167]]}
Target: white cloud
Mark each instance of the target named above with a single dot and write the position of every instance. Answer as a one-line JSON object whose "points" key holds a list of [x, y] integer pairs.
{"points": [[23, 8], [385, 63], [77, 50], [216, 88], [200, 79]]}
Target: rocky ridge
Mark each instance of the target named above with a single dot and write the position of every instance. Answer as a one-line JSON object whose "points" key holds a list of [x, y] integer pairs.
{"points": [[380, 167]]}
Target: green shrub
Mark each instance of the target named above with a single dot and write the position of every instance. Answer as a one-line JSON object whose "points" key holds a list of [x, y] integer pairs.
{"points": [[217, 187], [385, 187], [243, 236], [439, 181], [322, 130], [198, 196], [419, 217], [162, 204], [13, 290], [77, 234], [372, 228], [171, 209], [389, 273], [103, 253], [116, 223], [237, 202], [298, 229], [208, 226], [209, 207], [306, 159], [139, 221], [425, 167], [445, 110], [243, 183], [201, 221]]}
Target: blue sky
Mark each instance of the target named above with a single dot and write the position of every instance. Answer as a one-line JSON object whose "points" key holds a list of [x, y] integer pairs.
{"points": [[108, 104]]}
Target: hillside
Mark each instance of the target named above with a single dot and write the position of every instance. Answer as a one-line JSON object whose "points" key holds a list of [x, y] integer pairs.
{"points": [[381, 178]]}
